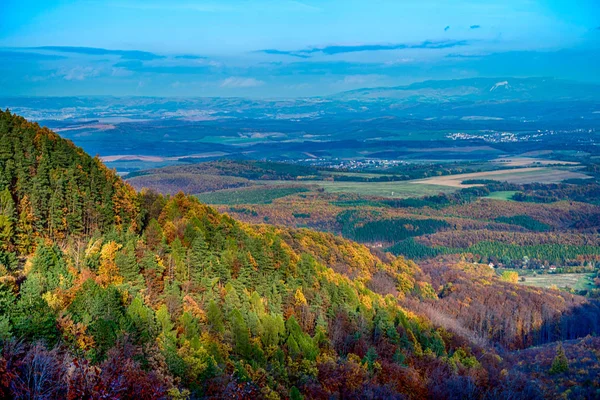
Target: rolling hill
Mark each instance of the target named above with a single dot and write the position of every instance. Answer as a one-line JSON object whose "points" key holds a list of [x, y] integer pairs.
{"points": [[480, 89]]}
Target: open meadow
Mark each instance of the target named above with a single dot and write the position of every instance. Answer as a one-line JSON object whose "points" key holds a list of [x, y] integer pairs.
{"points": [[505, 195], [572, 281], [517, 175], [401, 189]]}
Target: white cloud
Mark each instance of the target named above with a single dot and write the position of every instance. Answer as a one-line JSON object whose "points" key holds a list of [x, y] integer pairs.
{"points": [[298, 86], [405, 60], [360, 79], [237, 82], [78, 73], [120, 72]]}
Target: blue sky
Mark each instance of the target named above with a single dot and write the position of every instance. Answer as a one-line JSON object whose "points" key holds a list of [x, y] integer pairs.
{"points": [[284, 48]]}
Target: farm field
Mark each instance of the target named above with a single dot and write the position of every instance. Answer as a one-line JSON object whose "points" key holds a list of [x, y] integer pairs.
{"points": [[252, 195], [519, 176], [402, 189], [573, 281], [529, 161], [502, 195], [360, 175]]}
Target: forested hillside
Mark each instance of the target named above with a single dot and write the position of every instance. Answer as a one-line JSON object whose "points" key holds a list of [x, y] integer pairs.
{"points": [[49, 188], [109, 293]]}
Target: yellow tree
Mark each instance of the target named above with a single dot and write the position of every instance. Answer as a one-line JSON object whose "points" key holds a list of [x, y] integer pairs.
{"points": [[510, 276], [109, 272]]}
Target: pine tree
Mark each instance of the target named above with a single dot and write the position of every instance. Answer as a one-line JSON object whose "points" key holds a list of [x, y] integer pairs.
{"points": [[241, 337], [273, 329], [197, 258], [7, 219], [25, 231], [370, 358], [189, 325], [215, 318], [6, 159], [232, 299], [127, 264], [560, 363], [74, 202], [295, 394], [56, 213], [7, 205], [154, 234], [178, 253], [141, 319], [40, 194], [49, 264]]}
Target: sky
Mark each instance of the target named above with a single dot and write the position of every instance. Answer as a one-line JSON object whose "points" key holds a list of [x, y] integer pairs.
{"points": [[286, 48]]}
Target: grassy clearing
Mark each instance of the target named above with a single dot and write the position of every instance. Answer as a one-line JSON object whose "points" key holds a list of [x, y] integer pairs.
{"points": [[503, 195], [252, 195], [403, 189], [366, 175], [539, 175], [573, 281], [518, 175]]}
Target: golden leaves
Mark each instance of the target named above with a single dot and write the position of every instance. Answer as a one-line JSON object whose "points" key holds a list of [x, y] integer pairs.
{"points": [[75, 333], [299, 299], [108, 273], [191, 306]]}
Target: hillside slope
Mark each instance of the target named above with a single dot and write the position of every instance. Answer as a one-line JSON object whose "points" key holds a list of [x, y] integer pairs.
{"points": [[50, 188]]}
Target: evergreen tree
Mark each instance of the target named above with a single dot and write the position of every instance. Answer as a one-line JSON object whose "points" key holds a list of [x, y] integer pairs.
{"points": [[198, 256], [215, 318], [7, 220], [273, 330], [56, 212], [74, 202], [295, 394], [178, 252], [126, 263], [40, 194], [25, 230], [48, 263], [560, 364], [141, 321], [241, 337], [32, 318]]}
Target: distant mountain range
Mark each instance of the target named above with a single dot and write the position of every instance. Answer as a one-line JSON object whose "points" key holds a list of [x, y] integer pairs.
{"points": [[479, 89], [502, 98]]}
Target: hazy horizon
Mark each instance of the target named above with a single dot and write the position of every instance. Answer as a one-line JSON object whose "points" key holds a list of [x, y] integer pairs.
{"points": [[270, 49]]}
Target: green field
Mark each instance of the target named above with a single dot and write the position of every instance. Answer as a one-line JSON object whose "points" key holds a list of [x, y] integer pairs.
{"points": [[514, 175], [573, 281], [503, 195], [365, 175], [403, 189], [539, 175], [252, 195]]}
